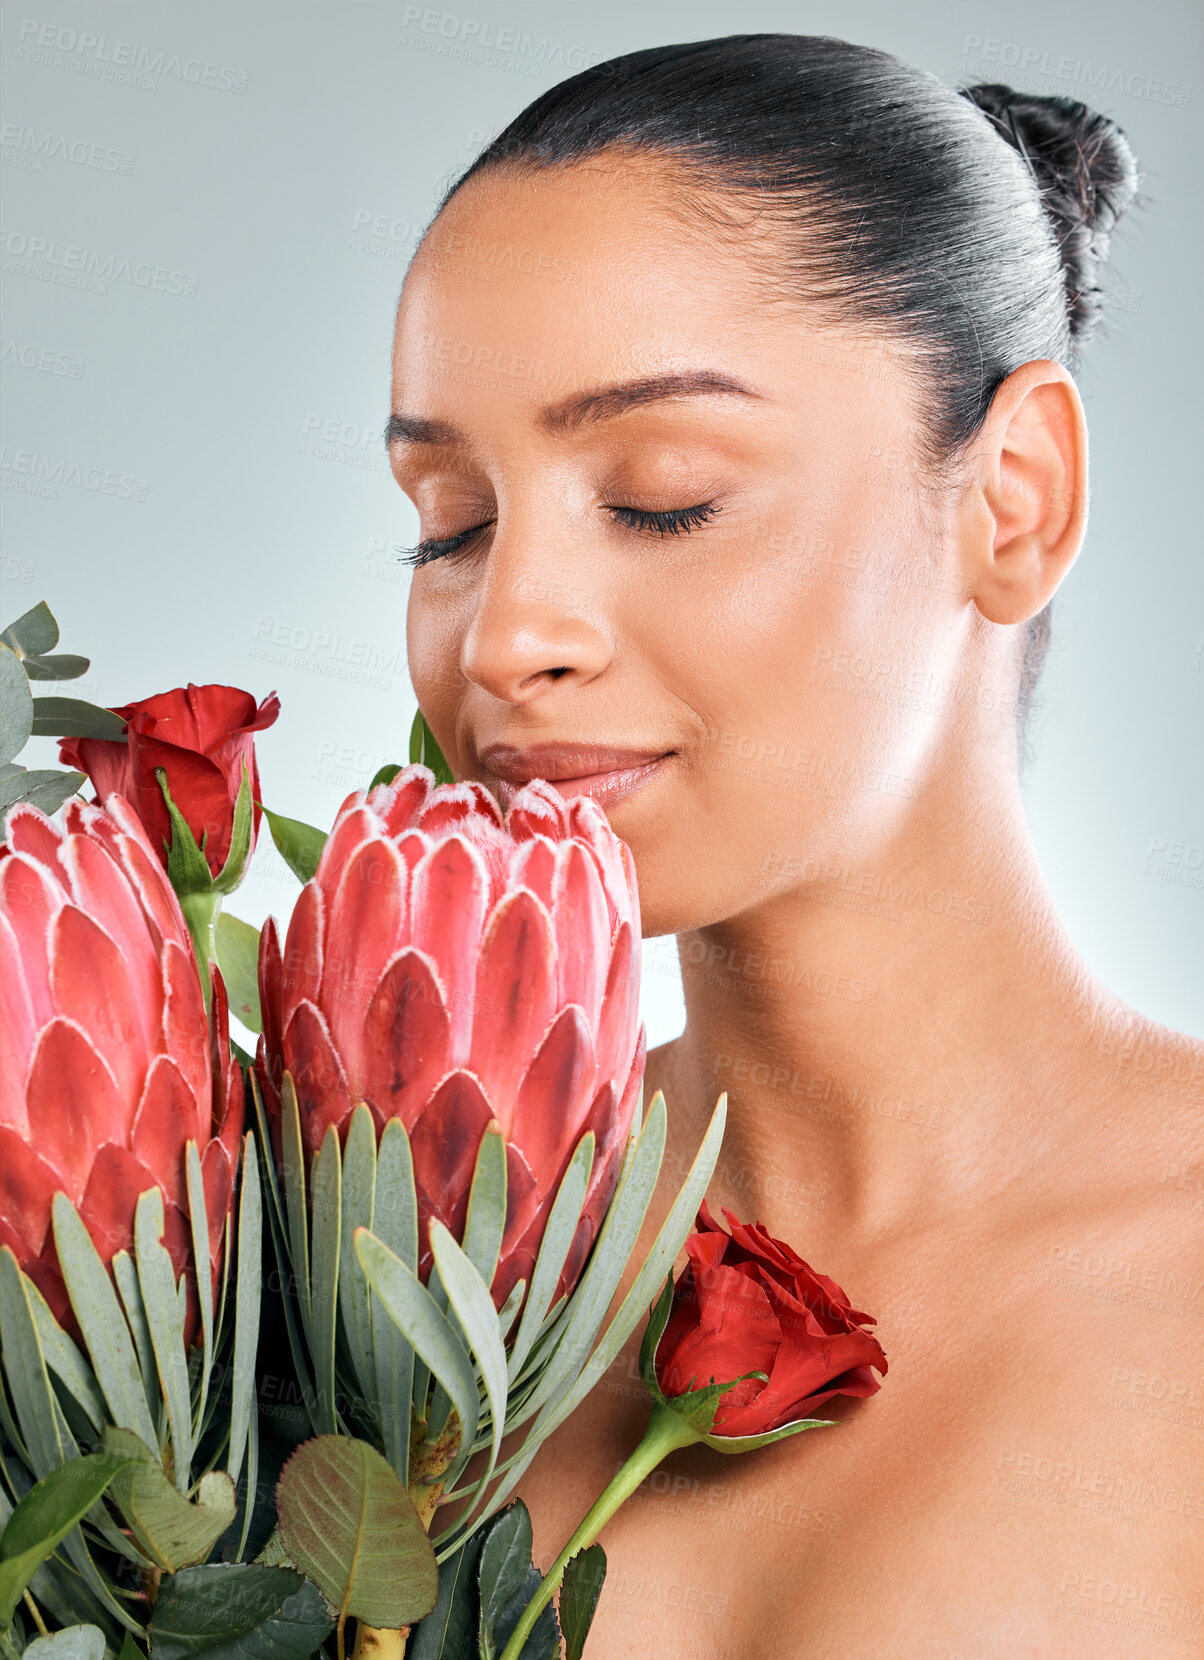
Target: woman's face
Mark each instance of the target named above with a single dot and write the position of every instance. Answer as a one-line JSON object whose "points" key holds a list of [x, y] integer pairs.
{"points": [[785, 632]]}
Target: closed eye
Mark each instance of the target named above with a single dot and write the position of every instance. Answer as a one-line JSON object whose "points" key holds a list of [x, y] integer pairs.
{"points": [[673, 521]]}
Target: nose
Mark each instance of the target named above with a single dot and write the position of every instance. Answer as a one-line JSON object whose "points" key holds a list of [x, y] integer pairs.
{"points": [[533, 625]]}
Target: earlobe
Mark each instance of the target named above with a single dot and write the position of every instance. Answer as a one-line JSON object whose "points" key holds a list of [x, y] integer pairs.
{"points": [[1029, 500]]}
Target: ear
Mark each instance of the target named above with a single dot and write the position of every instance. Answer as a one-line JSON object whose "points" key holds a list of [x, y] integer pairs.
{"points": [[1025, 511]]}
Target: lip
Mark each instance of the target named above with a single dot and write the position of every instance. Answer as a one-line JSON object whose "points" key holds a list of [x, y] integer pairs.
{"points": [[606, 773]]}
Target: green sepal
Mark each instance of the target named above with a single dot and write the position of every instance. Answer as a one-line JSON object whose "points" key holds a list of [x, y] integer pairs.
{"points": [[239, 854], [426, 752], [299, 845], [187, 866]]}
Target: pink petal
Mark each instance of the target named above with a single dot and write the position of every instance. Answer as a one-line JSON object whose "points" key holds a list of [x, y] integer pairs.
{"points": [[445, 1143], [406, 1040], [92, 986], [363, 931], [27, 1187], [354, 827], [515, 998], [449, 898], [533, 866], [304, 948], [619, 1017], [28, 830], [537, 810], [74, 1102], [117, 1181], [581, 925], [185, 1034], [218, 1178], [18, 1029], [30, 898], [321, 1084], [101, 889], [554, 1096], [399, 803]]}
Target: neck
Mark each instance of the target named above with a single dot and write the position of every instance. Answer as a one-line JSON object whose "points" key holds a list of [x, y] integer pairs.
{"points": [[899, 1034]]}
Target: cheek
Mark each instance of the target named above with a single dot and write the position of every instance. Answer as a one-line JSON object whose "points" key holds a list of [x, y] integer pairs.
{"points": [[433, 635]]}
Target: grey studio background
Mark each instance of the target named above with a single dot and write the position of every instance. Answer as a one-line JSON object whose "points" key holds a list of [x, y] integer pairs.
{"points": [[192, 463]]}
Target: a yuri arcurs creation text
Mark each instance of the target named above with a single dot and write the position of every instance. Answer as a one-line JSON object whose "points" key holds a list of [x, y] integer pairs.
{"points": [[281, 1333]]}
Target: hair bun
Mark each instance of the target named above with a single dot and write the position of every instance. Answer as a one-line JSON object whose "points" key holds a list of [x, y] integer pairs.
{"points": [[1087, 175]]}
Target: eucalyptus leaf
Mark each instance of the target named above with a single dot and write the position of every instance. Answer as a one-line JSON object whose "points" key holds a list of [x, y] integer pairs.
{"points": [[238, 959], [34, 631], [64, 666], [44, 1518], [579, 1592], [237, 1611], [45, 789], [348, 1523], [300, 845], [78, 1642], [72, 717], [248, 1273], [16, 704], [157, 1280]]}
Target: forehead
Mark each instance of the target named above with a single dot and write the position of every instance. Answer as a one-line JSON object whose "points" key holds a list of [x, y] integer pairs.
{"points": [[534, 283]]}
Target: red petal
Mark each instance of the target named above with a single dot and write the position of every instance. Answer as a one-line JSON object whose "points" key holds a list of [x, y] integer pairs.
{"points": [[534, 867], [167, 1117], [399, 803], [271, 975], [28, 830], [554, 1096], [185, 1035], [74, 1103], [31, 898], [219, 1192], [445, 1143], [304, 944], [114, 1187], [103, 891], [448, 904], [27, 1187], [581, 924], [18, 1029], [515, 998], [537, 810], [522, 1201], [318, 1075], [407, 1040], [357, 826], [618, 1021]]}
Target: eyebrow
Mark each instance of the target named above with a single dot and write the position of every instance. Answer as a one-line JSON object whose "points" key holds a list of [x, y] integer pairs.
{"points": [[580, 409]]}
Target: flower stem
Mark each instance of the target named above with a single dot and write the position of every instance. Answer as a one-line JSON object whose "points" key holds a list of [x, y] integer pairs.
{"points": [[666, 1431], [201, 911]]}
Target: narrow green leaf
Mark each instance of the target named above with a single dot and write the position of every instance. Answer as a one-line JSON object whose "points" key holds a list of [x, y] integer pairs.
{"points": [[72, 717], [579, 1592], [326, 1182], [395, 1222], [238, 959], [554, 1248], [415, 1312], [174, 1532], [25, 1367], [157, 1280], [425, 750], [126, 1276], [248, 1273], [238, 1611], [16, 704], [65, 1361], [355, 1211], [348, 1523], [292, 1152], [300, 845], [384, 775], [473, 1307], [66, 666], [33, 632], [198, 1224], [78, 1642], [44, 1518], [485, 1221], [100, 1319]]}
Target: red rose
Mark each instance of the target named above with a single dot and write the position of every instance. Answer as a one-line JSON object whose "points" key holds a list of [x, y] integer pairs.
{"points": [[746, 1302], [200, 736]]}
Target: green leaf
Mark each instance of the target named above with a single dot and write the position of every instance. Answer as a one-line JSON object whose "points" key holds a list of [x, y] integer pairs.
{"points": [[554, 1248], [300, 845], [238, 959], [33, 632], [579, 1592], [385, 775], [502, 1569], [66, 666], [102, 1322], [410, 1305], [395, 1220], [239, 852], [187, 866], [248, 1275], [29, 1382], [78, 1642], [44, 1518], [71, 717], [237, 1611], [449, 1631], [16, 704], [357, 1196], [326, 1185], [348, 1523], [46, 788], [174, 1532], [426, 751], [469, 1298]]}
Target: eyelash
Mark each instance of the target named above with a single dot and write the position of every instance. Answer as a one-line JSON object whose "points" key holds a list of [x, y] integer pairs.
{"points": [[675, 521]]}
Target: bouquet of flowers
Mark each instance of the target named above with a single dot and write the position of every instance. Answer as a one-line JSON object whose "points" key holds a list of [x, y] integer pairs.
{"points": [[442, 1125]]}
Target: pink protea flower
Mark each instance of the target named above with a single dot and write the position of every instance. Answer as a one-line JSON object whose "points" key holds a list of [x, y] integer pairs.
{"points": [[453, 968], [108, 1063]]}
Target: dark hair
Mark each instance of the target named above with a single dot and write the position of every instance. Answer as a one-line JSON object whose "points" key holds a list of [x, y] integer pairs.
{"points": [[980, 254]]}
